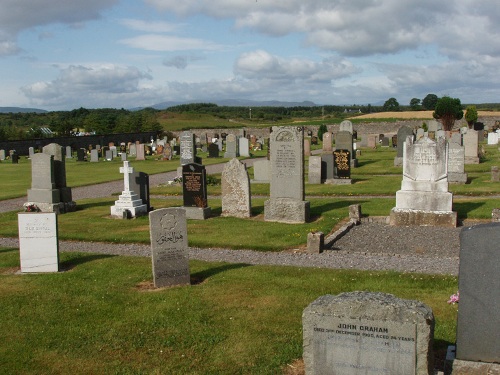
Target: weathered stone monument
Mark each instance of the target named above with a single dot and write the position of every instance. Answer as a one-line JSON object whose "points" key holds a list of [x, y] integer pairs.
{"points": [[169, 247], [194, 189], [470, 142], [38, 242], [236, 197], [424, 198], [231, 147], [188, 148], [478, 325], [343, 141], [367, 333], [94, 156], [286, 203], [129, 204], [456, 161], [243, 146], [140, 152], [65, 195], [327, 142], [314, 170], [346, 126], [403, 133]]}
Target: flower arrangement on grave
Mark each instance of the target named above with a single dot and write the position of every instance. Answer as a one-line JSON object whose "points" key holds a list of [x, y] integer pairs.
{"points": [[454, 298], [31, 207]]}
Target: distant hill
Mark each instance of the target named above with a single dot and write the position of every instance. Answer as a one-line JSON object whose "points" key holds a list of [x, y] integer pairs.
{"points": [[21, 110], [236, 103]]}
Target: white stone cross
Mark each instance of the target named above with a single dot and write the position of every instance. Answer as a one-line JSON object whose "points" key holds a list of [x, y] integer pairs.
{"points": [[126, 170]]}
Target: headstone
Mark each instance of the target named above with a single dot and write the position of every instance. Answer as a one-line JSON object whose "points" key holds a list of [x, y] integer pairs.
{"points": [[314, 170], [65, 194], [80, 154], [346, 125], [235, 184], [38, 242], [167, 152], [495, 174], [140, 152], [114, 151], [129, 204], [456, 137], [169, 247], [493, 138], [14, 158], [394, 141], [94, 156], [420, 133], [372, 141], [132, 150], [286, 203], [69, 153], [307, 147], [213, 150], [327, 142], [478, 324], [31, 151], [187, 148], [456, 160], [385, 142], [261, 171], [231, 147], [109, 155], [244, 147], [343, 141], [194, 189], [43, 192], [123, 156], [2, 155], [315, 242], [471, 143], [424, 198], [403, 133], [342, 165], [367, 333], [327, 167], [139, 184]]}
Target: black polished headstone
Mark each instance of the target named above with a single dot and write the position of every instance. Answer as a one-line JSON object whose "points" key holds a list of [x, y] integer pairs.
{"points": [[194, 185], [342, 164]]}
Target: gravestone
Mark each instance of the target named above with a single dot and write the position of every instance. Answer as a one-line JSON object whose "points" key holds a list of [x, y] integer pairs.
{"points": [[286, 203], [194, 189], [367, 333], [372, 141], [470, 142], [43, 192], [231, 147], [94, 156], [31, 151], [394, 141], [327, 142], [139, 184], [315, 242], [495, 174], [114, 151], [69, 154], [14, 157], [456, 137], [346, 125], [424, 198], [342, 167], [169, 247], [2, 155], [133, 150], [327, 167], [478, 324], [403, 133], [129, 204], [109, 155], [307, 147], [38, 242], [235, 184], [314, 170], [456, 160], [123, 156], [420, 133], [493, 138], [385, 142], [140, 151], [343, 141], [213, 150], [80, 154], [167, 152], [243, 147], [261, 171], [187, 148]]}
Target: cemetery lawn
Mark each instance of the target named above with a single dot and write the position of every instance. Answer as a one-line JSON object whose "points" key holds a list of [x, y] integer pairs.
{"points": [[101, 316]]}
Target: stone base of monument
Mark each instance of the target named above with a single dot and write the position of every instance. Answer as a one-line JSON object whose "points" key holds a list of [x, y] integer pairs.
{"points": [[338, 181], [58, 208], [198, 213], [404, 217], [457, 178], [286, 210], [471, 160], [129, 203], [398, 161], [455, 366]]}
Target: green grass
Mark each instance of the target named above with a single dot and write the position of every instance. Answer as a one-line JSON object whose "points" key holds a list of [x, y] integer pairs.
{"points": [[99, 317]]}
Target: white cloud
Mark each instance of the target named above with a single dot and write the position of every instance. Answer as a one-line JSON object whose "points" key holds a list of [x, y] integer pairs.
{"points": [[149, 26], [157, 42]]}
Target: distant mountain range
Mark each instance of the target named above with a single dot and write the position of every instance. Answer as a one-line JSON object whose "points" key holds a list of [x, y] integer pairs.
{"points": [[21, 110]]}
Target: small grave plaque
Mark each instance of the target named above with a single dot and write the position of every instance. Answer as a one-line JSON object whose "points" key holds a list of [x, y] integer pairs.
{"points": [[38, 242], [168, 231]]}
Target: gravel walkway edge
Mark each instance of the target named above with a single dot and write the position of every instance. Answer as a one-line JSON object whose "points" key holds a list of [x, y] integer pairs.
{"points": [[329, 259]]}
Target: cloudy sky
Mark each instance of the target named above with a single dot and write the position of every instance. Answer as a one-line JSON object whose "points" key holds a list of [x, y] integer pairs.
{"points": [[66, 54]]}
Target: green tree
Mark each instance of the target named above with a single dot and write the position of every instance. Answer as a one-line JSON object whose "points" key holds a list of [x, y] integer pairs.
{"points": [[448, 110], [415, 104], [322, 130], [471, 115], [391, 105], [429, 102]]}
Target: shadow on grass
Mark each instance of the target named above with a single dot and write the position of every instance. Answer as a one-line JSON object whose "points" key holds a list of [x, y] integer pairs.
{"points": [[440, 348], [69, 264], [318, 210], [365, 162], [83, 206], [9, 250], [463, 208], [200, 277]]}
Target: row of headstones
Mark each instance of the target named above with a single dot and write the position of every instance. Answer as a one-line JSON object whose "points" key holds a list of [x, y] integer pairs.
{"points": [[13, 156]]}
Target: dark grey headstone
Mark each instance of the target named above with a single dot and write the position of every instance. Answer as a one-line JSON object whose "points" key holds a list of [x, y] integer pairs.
{"points": [[478, 326], [342, 164], [194, 185], [213, 150], [327, 167], [139, 184], [169, 247], [80, 154], [403, 133]]}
